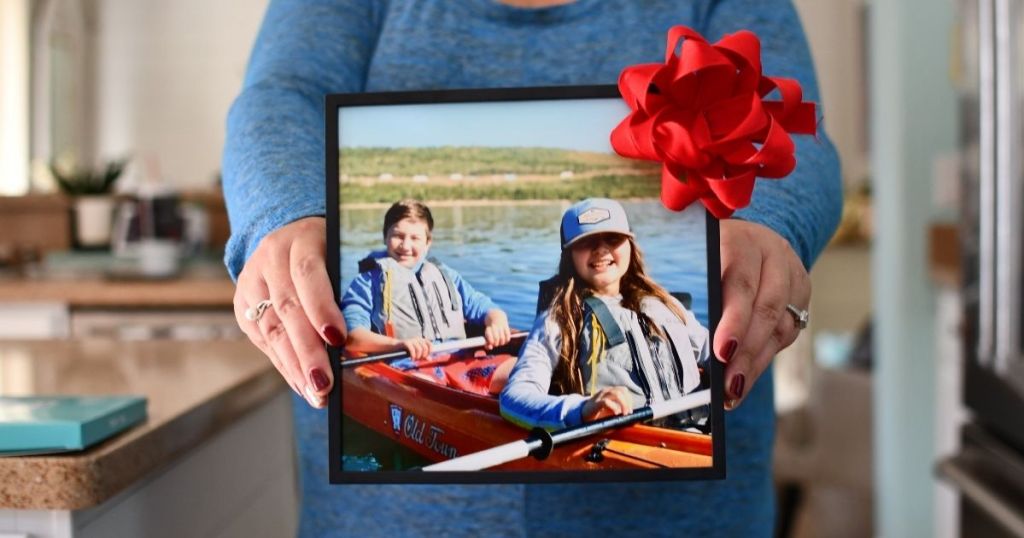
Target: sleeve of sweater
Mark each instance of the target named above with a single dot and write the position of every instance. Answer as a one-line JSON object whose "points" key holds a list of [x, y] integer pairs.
{"points": [[273, 163], [357, 302], [525, 400], [804, 207]]}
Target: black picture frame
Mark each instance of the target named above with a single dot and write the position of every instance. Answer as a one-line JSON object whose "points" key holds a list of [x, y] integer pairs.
{"points": [[332, 104]]}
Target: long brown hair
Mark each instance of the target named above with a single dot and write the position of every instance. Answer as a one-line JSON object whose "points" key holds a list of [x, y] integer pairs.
{"points": [[567, 310]]}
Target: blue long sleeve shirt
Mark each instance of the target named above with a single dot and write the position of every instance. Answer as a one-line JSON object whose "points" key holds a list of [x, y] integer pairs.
{"points": [[273, 174]]}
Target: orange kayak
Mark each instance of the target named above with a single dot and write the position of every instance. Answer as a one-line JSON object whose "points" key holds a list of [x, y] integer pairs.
{"points": [[441, 422]]}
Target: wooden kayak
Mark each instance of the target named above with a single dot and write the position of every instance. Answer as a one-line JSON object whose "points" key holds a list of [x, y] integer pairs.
{"points": [[440, 422]]}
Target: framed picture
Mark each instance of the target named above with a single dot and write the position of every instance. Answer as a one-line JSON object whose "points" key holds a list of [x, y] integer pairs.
{"points": [[520, 306]]}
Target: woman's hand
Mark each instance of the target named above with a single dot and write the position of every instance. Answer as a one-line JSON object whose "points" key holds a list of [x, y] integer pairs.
{"points": [[288, 268], [761, 274], [608, 402], [417, 348], [496, 330]]}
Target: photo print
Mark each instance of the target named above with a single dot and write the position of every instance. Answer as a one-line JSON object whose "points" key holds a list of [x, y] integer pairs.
{"points": [[520, 306]]}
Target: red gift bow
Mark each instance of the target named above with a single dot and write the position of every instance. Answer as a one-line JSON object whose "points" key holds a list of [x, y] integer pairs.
{"points": [[702, 115]]}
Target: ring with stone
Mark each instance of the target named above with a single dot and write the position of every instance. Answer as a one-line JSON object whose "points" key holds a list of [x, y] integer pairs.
{"points": [[254, 313], [801, 316]]}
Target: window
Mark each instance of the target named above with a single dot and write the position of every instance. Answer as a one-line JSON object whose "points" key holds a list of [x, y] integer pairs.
{"points": [[14, 96]]}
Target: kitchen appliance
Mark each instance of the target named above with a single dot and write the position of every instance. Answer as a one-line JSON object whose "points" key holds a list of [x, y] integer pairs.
{"points": [[989, 470], [150, 215], [162, 216]]}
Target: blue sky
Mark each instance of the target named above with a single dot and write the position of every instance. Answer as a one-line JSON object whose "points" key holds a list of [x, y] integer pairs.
{"points": [[583, 124]]}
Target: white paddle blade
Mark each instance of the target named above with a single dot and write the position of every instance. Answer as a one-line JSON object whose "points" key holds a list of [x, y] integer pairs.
{"points": [[484, 459], [684, 403]]}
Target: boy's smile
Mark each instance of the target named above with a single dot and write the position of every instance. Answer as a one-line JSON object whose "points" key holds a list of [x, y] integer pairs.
{"points": [[408, 242]]}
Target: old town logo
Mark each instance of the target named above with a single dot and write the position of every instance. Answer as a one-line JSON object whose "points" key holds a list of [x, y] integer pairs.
{"points": [[396, 419], [421, 432]]}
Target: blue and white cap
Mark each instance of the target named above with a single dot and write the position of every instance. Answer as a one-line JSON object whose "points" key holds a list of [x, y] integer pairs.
{"points": [[593, 216]]}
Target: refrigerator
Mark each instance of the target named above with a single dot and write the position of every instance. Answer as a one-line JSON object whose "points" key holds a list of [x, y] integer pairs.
{"points": [[988, 471]]}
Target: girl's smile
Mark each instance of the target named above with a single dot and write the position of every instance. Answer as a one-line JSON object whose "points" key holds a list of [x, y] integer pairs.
{"points": [[601, 261]]}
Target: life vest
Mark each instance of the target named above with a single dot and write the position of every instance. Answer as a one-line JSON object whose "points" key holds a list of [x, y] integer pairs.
{"points": [[616, 349], [412, 304]]}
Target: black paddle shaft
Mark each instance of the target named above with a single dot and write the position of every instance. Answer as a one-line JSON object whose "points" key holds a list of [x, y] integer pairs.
{"points": [[541, 442]]}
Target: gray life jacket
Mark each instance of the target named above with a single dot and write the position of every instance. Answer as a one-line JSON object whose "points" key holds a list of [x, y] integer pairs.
{"points": [[617, 349], [415, 304]]}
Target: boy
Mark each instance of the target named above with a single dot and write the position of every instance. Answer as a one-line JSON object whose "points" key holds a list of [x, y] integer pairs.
{"points": [[403, 301]]}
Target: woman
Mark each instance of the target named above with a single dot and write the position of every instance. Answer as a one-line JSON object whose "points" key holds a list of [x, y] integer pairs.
{"points": [[273, 182]]}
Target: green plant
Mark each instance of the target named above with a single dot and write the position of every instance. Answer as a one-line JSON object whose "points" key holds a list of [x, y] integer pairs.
{"points": [[75, 181]]}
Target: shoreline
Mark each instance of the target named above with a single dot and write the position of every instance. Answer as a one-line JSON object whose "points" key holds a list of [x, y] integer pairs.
{"points": [[481, 203]]}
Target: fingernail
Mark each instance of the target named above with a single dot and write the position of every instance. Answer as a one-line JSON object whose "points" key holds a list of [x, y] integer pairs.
{"points": [[319, 379], [730, 349], [736, 387], [312, 398], [333, 335]]}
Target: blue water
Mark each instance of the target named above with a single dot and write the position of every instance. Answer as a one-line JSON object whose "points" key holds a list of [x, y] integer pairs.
{"points": [[505, 251]]}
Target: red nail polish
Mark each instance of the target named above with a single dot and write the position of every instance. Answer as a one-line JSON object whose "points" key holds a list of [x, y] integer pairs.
{"points": [[730, 349], [333, 335], [319, 379], [736, 387]]}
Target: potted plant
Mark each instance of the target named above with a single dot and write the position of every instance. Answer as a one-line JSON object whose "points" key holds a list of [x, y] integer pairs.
{"points": [[92, 199]]}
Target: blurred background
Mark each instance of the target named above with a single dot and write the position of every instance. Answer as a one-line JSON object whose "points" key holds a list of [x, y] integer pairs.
{"points": [[112, 227]]}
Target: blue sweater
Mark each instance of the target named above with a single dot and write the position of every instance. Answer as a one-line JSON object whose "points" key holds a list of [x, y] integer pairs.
{"points": [[273, 174]]}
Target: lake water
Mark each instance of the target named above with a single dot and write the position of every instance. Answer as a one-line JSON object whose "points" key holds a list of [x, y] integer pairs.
{"points": [[504, 251]]}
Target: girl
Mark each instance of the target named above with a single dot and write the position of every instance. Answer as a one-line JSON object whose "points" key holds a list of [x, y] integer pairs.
{"points": [[612, 339]]}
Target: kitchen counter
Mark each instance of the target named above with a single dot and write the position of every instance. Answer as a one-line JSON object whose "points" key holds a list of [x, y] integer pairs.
{"points": [[182, 292], [194, 390], [97, 280]]}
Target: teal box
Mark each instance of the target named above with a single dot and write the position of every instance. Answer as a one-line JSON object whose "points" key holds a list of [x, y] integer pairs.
{"points": [[40, 424]]}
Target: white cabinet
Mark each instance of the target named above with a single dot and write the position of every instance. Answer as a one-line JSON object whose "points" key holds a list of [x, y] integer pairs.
{"points": [[50, 321], [149, 324], [34, 320]]}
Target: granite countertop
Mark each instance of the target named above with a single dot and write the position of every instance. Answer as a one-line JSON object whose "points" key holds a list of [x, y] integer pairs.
{"points": [[194, 390]]}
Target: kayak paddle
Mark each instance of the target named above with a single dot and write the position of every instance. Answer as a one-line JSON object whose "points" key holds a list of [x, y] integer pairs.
{"points": [[442, 347], [540, 442]]}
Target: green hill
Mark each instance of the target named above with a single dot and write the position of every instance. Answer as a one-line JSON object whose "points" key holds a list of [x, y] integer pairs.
{"points": [[383, 175]]}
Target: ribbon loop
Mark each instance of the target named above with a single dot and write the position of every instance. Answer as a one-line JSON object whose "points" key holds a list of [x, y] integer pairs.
{"points": [[703, 114]]}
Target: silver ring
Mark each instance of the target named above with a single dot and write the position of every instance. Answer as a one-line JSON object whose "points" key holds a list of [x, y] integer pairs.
{"points": [[802, 317], [256, 312]]}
